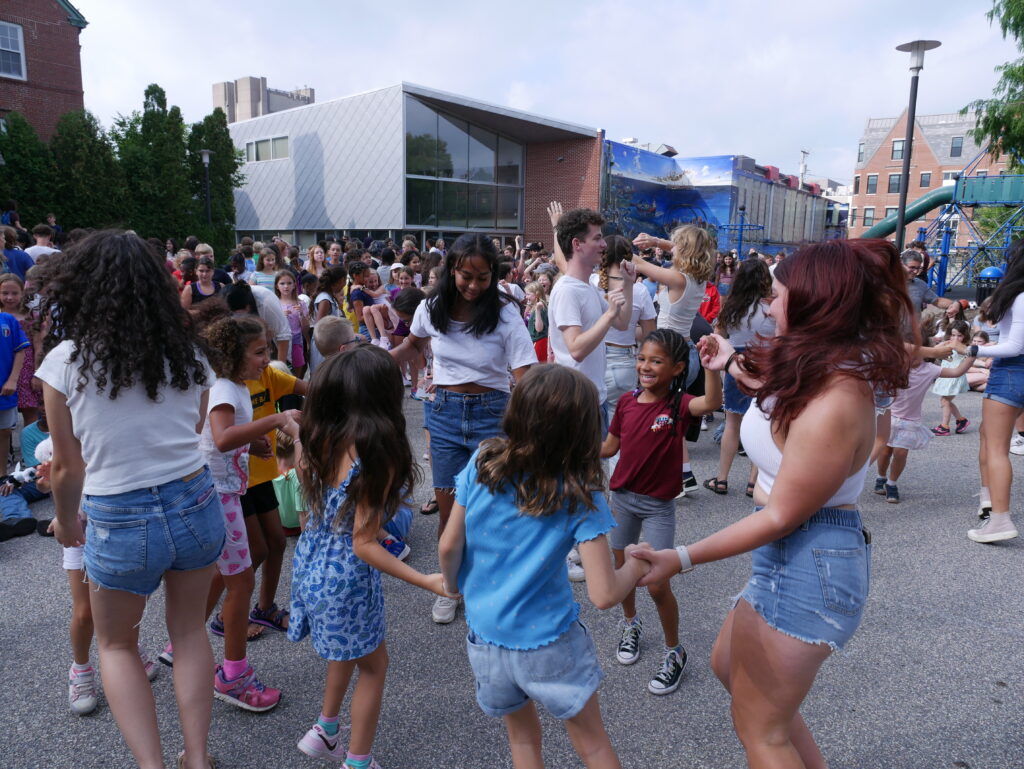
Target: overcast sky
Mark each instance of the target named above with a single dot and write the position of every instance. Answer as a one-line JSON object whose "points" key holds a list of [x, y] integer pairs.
{"points": [[765, 79]]}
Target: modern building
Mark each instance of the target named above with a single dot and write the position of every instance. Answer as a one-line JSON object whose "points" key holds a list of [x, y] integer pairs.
{"points": [[249, 97], [40, 61], [942, 148], [409, 159]]}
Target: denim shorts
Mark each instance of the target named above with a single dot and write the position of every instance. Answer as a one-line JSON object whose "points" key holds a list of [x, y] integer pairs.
{"points": [[562, 676], [619, 374], [133, 538], [457, 423], [1006, 381], [813, 583], [736, 401], [632, 511]]}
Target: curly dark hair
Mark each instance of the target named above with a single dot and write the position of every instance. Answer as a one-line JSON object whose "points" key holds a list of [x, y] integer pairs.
{"points": [[575, 224], [112, 296], [229, 338], [751, 284]]}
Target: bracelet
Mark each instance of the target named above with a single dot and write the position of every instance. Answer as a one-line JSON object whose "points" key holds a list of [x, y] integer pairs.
{"points": [[729, 361], [685, 564]]}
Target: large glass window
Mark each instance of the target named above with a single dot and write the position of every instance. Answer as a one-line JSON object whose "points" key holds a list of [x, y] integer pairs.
{"points": [[453, 204], [421, 202], [508, 207], [280, 147], [483, 150], [481, 205], [510, 161], [452, 147], [420, 138], [263, 150], [12, 51]]}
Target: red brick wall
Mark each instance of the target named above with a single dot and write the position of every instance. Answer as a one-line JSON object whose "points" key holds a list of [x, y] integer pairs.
{"points": [[574, 181], [52, 62]]}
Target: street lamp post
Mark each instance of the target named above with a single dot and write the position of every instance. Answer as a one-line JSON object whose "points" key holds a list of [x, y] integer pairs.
{"points": [[916, 50], [739, 239], [206, 182]]}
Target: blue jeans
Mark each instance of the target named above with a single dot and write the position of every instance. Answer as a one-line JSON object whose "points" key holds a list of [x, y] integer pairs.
{"points": [[457, 423], [15, 505], [133, 538], [1006, 381], [736, 401]]}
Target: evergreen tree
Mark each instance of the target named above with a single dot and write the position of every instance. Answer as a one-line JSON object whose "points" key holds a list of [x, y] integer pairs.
{"points": [[89, 190], [225, 164], [27, 174]]}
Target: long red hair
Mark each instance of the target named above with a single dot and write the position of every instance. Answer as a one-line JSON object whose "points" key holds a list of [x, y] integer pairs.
{"points": [[845, 312]]}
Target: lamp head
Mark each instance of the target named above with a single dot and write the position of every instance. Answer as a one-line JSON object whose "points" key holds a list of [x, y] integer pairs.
{"points": [[916, 50]]}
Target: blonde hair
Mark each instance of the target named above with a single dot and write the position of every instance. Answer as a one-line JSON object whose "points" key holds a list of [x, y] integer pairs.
{"points": [[330, 333], [204, 249], [536, 288], [693, 252]]}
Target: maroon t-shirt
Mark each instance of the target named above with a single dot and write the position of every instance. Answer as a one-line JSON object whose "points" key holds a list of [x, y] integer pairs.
{"points": [[650, 456]]}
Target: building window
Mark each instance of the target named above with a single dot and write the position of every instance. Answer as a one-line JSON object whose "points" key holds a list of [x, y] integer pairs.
{"points": [[890, 211], [853, 217], [860, 152], [926, 179], [956, 147], [856, 185], [894, 183], [872, 184], [266, 149], [950, 176], [12, 51], [869, 216], [981, 174], [897, 149]]}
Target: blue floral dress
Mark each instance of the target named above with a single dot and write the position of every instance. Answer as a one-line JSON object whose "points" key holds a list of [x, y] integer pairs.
{"points": [[337, 599]]}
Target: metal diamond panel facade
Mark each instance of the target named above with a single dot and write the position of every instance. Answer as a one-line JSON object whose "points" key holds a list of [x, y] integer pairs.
{"points": [[344, 170]]}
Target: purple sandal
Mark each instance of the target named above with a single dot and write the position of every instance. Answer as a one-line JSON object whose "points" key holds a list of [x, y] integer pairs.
{"points": [[271, 617]]}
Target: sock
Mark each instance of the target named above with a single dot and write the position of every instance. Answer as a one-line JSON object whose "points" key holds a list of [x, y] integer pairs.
{"points": [[77, 669], [632, 620], [235, 668], [329, 725], [998, 520], [687, 469], [880, 478], [358, 762], [890, 481], [986, 497]]}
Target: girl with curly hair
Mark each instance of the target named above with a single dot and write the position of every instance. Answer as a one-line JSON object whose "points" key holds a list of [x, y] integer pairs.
{"points": [[126, 388]]}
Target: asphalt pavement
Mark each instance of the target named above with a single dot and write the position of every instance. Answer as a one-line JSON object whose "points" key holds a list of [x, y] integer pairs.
{"points": [[933, 679]]}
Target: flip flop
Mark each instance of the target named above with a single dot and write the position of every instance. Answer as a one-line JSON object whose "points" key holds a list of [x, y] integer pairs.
{"points": [[717, 486], [750, 490], [429, 508]]}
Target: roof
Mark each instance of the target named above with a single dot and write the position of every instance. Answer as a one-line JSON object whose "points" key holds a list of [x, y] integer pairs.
{"points": [[75, 17]]}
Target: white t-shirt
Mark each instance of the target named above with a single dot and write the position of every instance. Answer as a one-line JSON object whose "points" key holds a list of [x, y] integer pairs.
{"points": [[36, 251], [575, 303], [643, 309], [269, 308], [514, 290], [130, 442], [461, 358], [230, 469]]}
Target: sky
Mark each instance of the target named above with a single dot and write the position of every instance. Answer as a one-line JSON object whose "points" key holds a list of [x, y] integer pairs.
{"points": [[721, 77]]}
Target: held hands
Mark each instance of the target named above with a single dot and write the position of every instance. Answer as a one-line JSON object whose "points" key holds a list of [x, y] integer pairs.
{"points": [[435, 584], [261, 448], [554, 212], [643, 241], [664, 564], [714, 352], [68, 534], [628, 270]]}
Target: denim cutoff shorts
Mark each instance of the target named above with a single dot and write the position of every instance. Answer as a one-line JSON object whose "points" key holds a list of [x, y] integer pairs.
{"points": [[736, 401], [632, 511], [562, 676], [1006, 381], [813, 583], [457, 423], [133, 538], [619, 374]]}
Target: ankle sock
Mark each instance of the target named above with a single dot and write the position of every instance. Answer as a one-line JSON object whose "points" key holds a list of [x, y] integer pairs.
{"points": [[986, 497], [358, 762], [235, 668], [329, 725], [687, 468], [77, 669], [999, 520]]}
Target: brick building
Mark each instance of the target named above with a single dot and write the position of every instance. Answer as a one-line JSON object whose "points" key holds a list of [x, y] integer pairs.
{"points": [[40, 61], [942, 148]]}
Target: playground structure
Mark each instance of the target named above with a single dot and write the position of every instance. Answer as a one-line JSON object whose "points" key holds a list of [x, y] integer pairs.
{"points": [[961, 266]]}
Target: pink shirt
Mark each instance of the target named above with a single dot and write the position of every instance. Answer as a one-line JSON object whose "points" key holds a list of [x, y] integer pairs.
{"points": [[908, 403]]}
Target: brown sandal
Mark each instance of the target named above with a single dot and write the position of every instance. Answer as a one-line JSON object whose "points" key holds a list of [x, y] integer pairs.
{"points": [[717, 486], [750, 490]]}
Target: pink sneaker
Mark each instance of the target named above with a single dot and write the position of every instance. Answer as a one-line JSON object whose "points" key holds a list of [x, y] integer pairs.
{"points": [[316, 743], [245, 692], [147, 664]]}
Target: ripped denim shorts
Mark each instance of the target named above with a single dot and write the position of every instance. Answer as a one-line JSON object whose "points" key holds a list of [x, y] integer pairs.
{"points": [[813, 583]]}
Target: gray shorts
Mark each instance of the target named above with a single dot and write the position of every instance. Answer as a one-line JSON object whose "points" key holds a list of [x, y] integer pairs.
{"points": [[657, 518]]}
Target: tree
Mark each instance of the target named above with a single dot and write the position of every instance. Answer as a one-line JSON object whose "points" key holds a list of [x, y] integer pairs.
{"points": [[27, 174], [225, 174], [1000, 120], [89, 188]]}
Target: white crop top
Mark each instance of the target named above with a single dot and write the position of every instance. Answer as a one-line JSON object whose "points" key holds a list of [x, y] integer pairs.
{"points": [[757, 440], [679, 315]]}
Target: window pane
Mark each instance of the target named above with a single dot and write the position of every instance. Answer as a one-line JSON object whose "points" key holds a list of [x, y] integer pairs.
{"points": [[897, 149], [452, 147], [483, 150], [510, 161], [263, 150], [421, 202], [890, 211], [10, 64], [856, 185], [860, 152], [872, 184], [452, 211], [250, 152], [894, 183], [508, 207], [869, 217], [956, 147], [420, 138], [926, 180], [481, 205], [281, 147], [981, 174]]}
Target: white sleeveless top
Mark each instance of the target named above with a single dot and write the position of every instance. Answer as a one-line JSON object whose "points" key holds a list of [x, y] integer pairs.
{"points": [[679, 315], [756, 437]]}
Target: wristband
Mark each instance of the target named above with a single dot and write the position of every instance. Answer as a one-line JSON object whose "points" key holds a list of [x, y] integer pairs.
{"points": [[685, 564], [728, 361], [972, 351]]}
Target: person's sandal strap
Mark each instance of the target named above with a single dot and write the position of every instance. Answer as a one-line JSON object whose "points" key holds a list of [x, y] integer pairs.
{"points": [[717, 486]]}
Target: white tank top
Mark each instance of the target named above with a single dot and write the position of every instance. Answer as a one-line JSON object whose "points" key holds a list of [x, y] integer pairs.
{"points": [[756, 436], [679, 315]]}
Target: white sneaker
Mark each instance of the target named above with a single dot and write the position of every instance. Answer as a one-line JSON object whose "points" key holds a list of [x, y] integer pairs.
{"points": [[994, 531], [82, 692], [574, 556], [1017, 445], [444, 609], [575, 571]]}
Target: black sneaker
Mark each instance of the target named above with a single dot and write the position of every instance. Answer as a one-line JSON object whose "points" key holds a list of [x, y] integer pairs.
{"points": [[892, 494], [629, 644], [689, 482], [741, 451], [671, 673], [880, 486]]}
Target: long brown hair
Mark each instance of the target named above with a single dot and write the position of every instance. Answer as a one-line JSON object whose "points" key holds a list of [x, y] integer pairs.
{"points": [[845, 310], [547, 465]]}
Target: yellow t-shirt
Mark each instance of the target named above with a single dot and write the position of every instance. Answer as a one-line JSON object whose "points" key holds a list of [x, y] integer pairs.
{"points": [[350, 313], [265, 392]]}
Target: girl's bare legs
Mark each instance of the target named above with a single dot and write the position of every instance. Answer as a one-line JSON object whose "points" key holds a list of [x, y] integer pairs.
{"points": [[997, 422], [668, 612], [730, 444], [273, 536], [445, 502], [366, 700], [235, 613], [899, 464], [524, 735], [116, 615], [954, 411], [586, 730], [193, 658], [629, 602], [883, 428], [81, 628], [884, 457]]}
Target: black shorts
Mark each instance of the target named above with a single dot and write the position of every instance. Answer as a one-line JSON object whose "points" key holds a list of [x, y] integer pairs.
{"points": [[259, 499]]}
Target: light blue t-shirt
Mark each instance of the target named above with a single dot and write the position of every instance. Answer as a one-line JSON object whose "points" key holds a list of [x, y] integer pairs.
{"points": [[31, 436], [513, 575]]}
